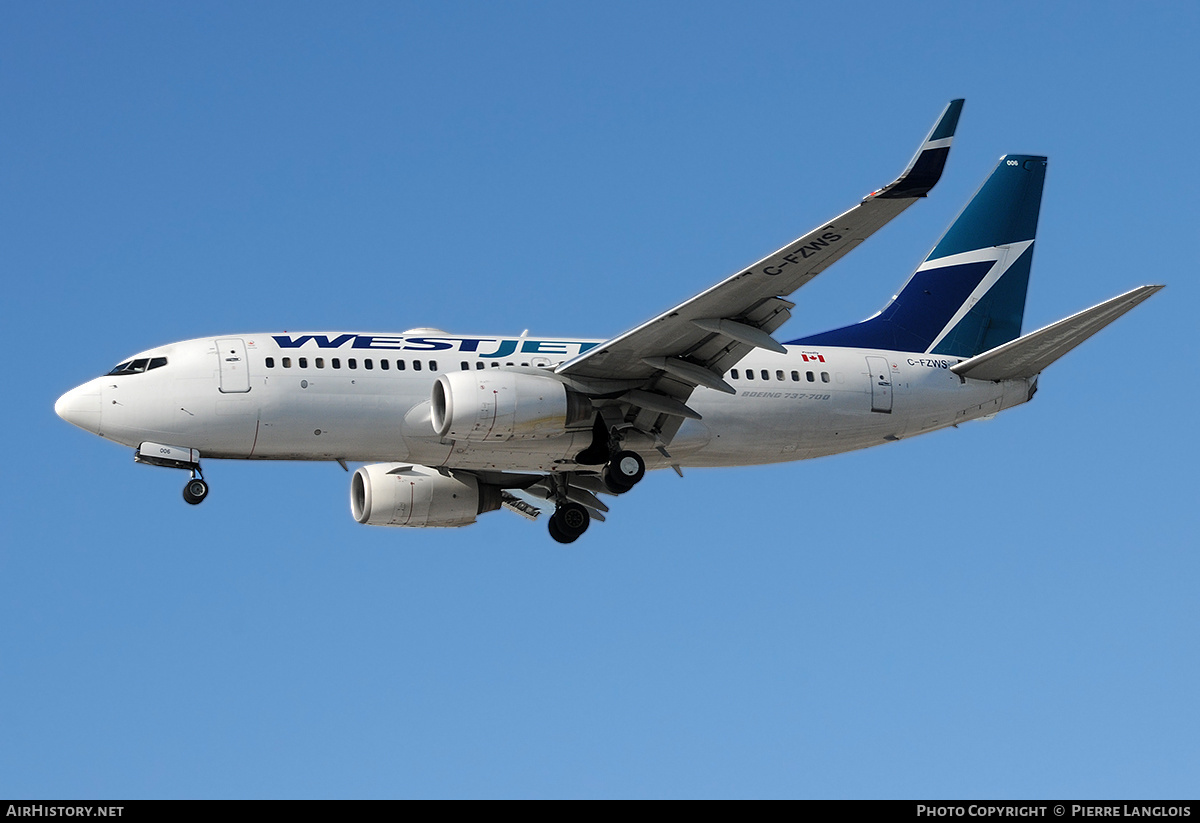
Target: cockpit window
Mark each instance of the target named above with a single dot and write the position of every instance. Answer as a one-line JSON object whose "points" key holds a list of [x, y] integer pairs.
{"points": [[140, 365], [131, 367]]}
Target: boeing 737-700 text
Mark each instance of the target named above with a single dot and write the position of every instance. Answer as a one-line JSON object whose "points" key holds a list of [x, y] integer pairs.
{"points": [[452, 426]]}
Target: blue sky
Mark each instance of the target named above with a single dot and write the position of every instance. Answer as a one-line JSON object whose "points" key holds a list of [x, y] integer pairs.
{"points": [[1003, 610]]}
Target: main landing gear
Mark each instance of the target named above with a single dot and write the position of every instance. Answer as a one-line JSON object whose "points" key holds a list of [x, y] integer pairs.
{"points": [[622, 468], [623, 471], [569, 522], [571, 518]]}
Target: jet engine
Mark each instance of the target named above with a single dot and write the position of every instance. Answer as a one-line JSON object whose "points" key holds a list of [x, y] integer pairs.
{"points": [[399, 494], [497, 405]]}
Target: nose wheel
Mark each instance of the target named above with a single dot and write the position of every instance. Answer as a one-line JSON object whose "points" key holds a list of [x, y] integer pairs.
{"points": [[195, 491]]}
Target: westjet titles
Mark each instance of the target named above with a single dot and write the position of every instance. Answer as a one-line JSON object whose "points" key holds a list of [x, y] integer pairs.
{"points": [[503, 347]]}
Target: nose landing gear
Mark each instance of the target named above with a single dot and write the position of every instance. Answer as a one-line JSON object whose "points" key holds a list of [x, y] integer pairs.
{"points": [[195, 490], [176, 457]]}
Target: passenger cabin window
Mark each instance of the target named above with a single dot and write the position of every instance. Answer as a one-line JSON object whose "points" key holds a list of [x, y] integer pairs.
{"points": [[433, 365], [304, 362], [478, 364], [270, 362], [416, 365], [368, 364], [352, 363], [810, 377], [779, 374], [336, 362], [733, 374], [766, 375], [464, 366], [320, 362], [824, 377], [287, 362], [399, 365], [383, 364], [795, 377]]}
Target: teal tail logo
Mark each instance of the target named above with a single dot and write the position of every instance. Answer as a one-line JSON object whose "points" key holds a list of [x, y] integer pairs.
{"points": [[969, 294]]}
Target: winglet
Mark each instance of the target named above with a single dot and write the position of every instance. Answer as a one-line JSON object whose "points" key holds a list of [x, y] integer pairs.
{"points": [[925, 169]]}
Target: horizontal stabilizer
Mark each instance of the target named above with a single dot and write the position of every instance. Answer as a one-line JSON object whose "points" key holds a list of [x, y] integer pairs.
{"points": [[1028, 355]]}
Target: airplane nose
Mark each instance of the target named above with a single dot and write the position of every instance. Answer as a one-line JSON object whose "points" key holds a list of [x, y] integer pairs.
{"points": [[81, 407]]}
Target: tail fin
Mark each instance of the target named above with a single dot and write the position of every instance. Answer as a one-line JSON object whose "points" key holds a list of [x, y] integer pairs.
{"points": [[969, 294]]}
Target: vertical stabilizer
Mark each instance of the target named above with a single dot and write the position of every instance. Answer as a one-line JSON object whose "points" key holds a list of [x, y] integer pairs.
{"points": [[969, 294]]}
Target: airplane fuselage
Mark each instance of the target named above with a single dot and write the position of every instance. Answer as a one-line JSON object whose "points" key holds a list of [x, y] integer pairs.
{"points": [[366, 397], [451, 427]]}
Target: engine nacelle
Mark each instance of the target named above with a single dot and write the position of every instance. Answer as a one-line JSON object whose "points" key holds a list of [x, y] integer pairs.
{"points": [[399, 494], [495, 405]]}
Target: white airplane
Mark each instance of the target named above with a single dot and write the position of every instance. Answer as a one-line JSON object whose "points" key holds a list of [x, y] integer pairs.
{"points": [[452, 426]]}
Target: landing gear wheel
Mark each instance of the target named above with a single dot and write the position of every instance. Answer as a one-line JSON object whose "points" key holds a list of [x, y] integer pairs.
{"points": [[556, 532], [195, 491], [612, 482], [627, 468], [569, 521]]}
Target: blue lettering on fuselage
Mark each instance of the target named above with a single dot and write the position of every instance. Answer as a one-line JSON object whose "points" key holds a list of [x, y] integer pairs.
{"points": [[499, 347], [506, 348], [286, 342]]}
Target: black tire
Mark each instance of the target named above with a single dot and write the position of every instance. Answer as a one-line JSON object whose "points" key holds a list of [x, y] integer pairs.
{"points": [[573, 518], [195, 491], [612, 482], [627, 467], [569, 521], [557, 533]]}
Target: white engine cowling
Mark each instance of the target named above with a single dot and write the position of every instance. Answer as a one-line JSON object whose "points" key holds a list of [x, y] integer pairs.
{"points": [[496, 405], [399, 494]]}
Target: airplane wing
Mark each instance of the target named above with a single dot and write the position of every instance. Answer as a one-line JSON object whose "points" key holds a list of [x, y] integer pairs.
{"points": [[1030, 354], [660, 362]]}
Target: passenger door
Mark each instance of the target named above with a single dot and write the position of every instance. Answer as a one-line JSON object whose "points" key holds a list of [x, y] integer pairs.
{"points": [[235, 376]]}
